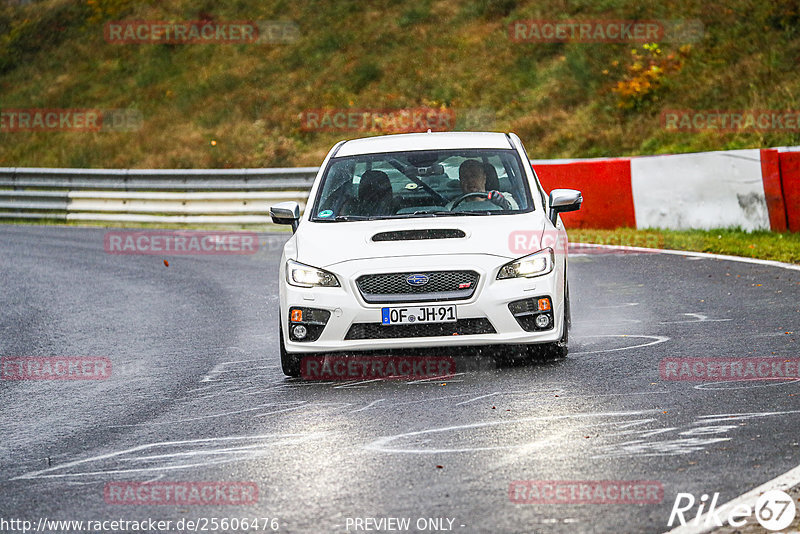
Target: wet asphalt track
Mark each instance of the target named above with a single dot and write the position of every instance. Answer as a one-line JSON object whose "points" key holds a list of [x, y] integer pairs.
{"points": [[197, 394]]}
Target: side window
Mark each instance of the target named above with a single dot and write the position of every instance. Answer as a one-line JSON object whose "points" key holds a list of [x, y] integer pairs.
{"points": [[338, 186]]}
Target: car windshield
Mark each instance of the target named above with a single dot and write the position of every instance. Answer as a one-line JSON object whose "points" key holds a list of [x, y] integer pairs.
{"points": [[426, 183]]}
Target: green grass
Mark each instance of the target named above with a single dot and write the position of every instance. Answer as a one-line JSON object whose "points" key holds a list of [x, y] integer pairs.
{"points": [[783, 247], [560, 98]]}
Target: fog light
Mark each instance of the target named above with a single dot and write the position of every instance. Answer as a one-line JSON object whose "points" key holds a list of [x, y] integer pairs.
{"points": [[542, 321], [299, 331]]}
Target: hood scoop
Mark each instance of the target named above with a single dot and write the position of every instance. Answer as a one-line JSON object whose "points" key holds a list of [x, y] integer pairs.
{"points": [[416, 235]]}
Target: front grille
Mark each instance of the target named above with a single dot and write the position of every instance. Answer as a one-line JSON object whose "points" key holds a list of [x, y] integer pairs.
{"points": [[462, 327], [393, 287]]}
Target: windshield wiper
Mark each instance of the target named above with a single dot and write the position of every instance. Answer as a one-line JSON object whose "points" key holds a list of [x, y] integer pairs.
{"points": [[427, 212], [474, 212], [420, 213], [434, 213], [349, 218]]}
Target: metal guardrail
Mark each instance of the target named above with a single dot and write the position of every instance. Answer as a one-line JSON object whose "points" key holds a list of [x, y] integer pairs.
{"points": [[217, 196]]}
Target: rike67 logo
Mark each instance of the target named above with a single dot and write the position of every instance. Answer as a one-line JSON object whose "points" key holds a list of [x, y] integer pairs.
{"points": [[774, 510]]}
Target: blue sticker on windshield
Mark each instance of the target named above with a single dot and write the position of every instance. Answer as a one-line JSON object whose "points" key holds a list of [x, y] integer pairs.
{"points": [[325, 213]]}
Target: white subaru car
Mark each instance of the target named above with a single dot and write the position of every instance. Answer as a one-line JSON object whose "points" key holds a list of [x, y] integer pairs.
{"points": [[424, 241]]}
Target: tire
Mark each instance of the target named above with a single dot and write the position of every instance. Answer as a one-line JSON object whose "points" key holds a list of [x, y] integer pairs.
{"points": [[289, 362]]}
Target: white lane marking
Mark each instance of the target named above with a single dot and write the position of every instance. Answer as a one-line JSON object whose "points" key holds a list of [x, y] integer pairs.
{"points": [[623, 424], [258, 449], [688, 441], [641, 433], [380, 444], [429, 400], [535, 391], [229, 388], [783, 482], [449, 378], [742, 416], [368, 406], [510, 393], [220, 368], [769, 263], [623, 305], [357, 383], [657, 340], [751, 384], [699, 318], [671, 447], [621, 394], [303, 405], [314, 405], [478, 398]]}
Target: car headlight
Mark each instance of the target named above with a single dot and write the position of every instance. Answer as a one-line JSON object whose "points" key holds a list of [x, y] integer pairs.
{"points": [[300, 275], [536, 264]]}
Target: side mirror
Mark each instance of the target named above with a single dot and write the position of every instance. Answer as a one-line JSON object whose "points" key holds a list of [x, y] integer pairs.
{"points": [[286, 213], [563, 200]]}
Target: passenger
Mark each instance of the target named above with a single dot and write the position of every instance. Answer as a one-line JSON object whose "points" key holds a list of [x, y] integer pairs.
{"points": [[375, 195]]}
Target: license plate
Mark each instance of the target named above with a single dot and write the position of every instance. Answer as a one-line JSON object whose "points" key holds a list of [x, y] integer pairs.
{"points": [[418, 314]]}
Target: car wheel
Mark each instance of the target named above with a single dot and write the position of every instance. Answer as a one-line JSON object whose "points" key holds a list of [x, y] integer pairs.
{"points": [[289, 362]]}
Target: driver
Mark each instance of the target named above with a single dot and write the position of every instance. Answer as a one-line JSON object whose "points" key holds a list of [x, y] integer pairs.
{"points": [[472, 176]]}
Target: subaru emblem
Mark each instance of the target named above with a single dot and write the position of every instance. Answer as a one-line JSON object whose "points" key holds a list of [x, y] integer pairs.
{"points": [[417, 280]]}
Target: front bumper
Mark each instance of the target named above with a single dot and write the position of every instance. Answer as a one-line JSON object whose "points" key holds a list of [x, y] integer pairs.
{"points": [[484, 318]]}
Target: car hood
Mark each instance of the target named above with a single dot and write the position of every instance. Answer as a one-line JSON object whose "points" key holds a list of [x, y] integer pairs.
{"points": [[325, 244]]}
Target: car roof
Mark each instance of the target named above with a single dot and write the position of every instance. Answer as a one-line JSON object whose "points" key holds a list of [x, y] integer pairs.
{"points": [[423, 141]]}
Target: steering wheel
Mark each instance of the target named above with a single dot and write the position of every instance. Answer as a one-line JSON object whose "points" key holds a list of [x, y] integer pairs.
{"points": [[495, 197]]}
